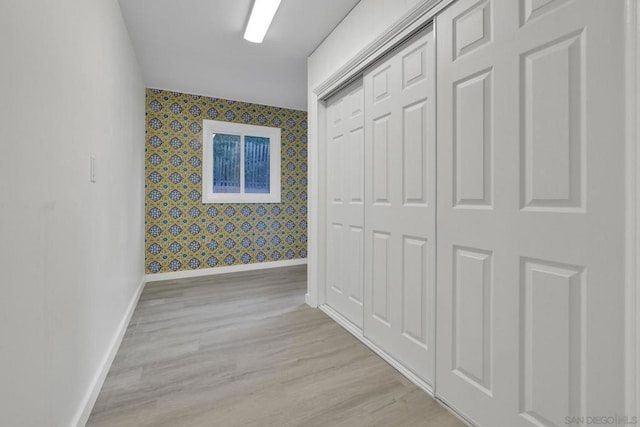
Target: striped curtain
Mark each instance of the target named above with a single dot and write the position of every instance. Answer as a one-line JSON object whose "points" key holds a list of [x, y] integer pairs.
{"points": [[226, 163], [256, 164]]}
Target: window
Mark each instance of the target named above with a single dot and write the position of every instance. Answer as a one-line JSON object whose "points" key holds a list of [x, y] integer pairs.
{"points": [[241, 163]]}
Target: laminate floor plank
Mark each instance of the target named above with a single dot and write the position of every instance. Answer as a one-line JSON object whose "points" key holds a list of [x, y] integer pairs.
{"points": [[243, 349]]}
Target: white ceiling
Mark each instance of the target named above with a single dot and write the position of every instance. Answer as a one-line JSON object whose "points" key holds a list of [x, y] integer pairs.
{"points": [[196, 46]]}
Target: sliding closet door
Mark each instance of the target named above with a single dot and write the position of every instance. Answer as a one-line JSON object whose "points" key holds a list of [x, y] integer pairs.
{"points": [[399, 205], [345, 203], [531, 210]]}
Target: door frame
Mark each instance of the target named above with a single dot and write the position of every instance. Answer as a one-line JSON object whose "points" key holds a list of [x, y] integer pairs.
{"points": [[632, 250], [414, 20]]}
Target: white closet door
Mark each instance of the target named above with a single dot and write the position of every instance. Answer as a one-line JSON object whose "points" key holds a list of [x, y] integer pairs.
{"points": [[530, 210], [399, 205], [345, 204]]}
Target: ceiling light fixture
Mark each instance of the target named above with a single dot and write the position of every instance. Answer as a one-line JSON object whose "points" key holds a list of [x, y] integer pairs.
{"points": [[260, 19]]}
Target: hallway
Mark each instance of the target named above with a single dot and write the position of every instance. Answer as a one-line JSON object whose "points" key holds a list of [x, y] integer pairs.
{"points": [[244, 350]]}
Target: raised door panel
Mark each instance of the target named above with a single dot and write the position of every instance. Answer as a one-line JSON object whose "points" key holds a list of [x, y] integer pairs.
{"points": [[355, 261], [552, 322], [380, 165], [380, 279], [336, 188], [472, 28], [415, 155], [416, 325], [472, 122], [473, 317], [355, 179], [335, 267], [553, 120], [532, 9]]}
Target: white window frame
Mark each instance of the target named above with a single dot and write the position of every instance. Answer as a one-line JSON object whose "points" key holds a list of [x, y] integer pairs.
{"points": [[211, 127]]}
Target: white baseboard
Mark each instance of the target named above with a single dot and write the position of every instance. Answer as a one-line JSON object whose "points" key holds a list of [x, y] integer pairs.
{"points": [[81, 418], [222, 270], [356, 332], [307, 300]]}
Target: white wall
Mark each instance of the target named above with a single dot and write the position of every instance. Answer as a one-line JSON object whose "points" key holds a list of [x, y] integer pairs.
{"points": [[71, 252], [361, 27]]}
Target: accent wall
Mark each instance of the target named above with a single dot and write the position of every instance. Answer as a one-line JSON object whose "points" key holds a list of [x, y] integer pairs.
{"points": [[182, 233]]}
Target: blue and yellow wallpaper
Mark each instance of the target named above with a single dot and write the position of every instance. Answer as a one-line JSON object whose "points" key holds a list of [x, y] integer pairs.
{"points": [[182, 233]]}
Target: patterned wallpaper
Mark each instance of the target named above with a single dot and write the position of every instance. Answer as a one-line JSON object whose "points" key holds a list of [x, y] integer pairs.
{"points": [[182, 233]]}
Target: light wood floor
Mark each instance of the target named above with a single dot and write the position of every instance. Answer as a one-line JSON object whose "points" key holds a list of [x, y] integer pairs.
{"points": [[244, 350]]}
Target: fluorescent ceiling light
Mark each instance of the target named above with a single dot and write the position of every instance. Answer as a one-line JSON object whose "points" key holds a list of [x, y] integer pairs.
{"points": [[260, 19]]}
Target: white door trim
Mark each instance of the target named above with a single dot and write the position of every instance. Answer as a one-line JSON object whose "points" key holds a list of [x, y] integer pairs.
{"points": [[632, 18], [316, 214]]}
